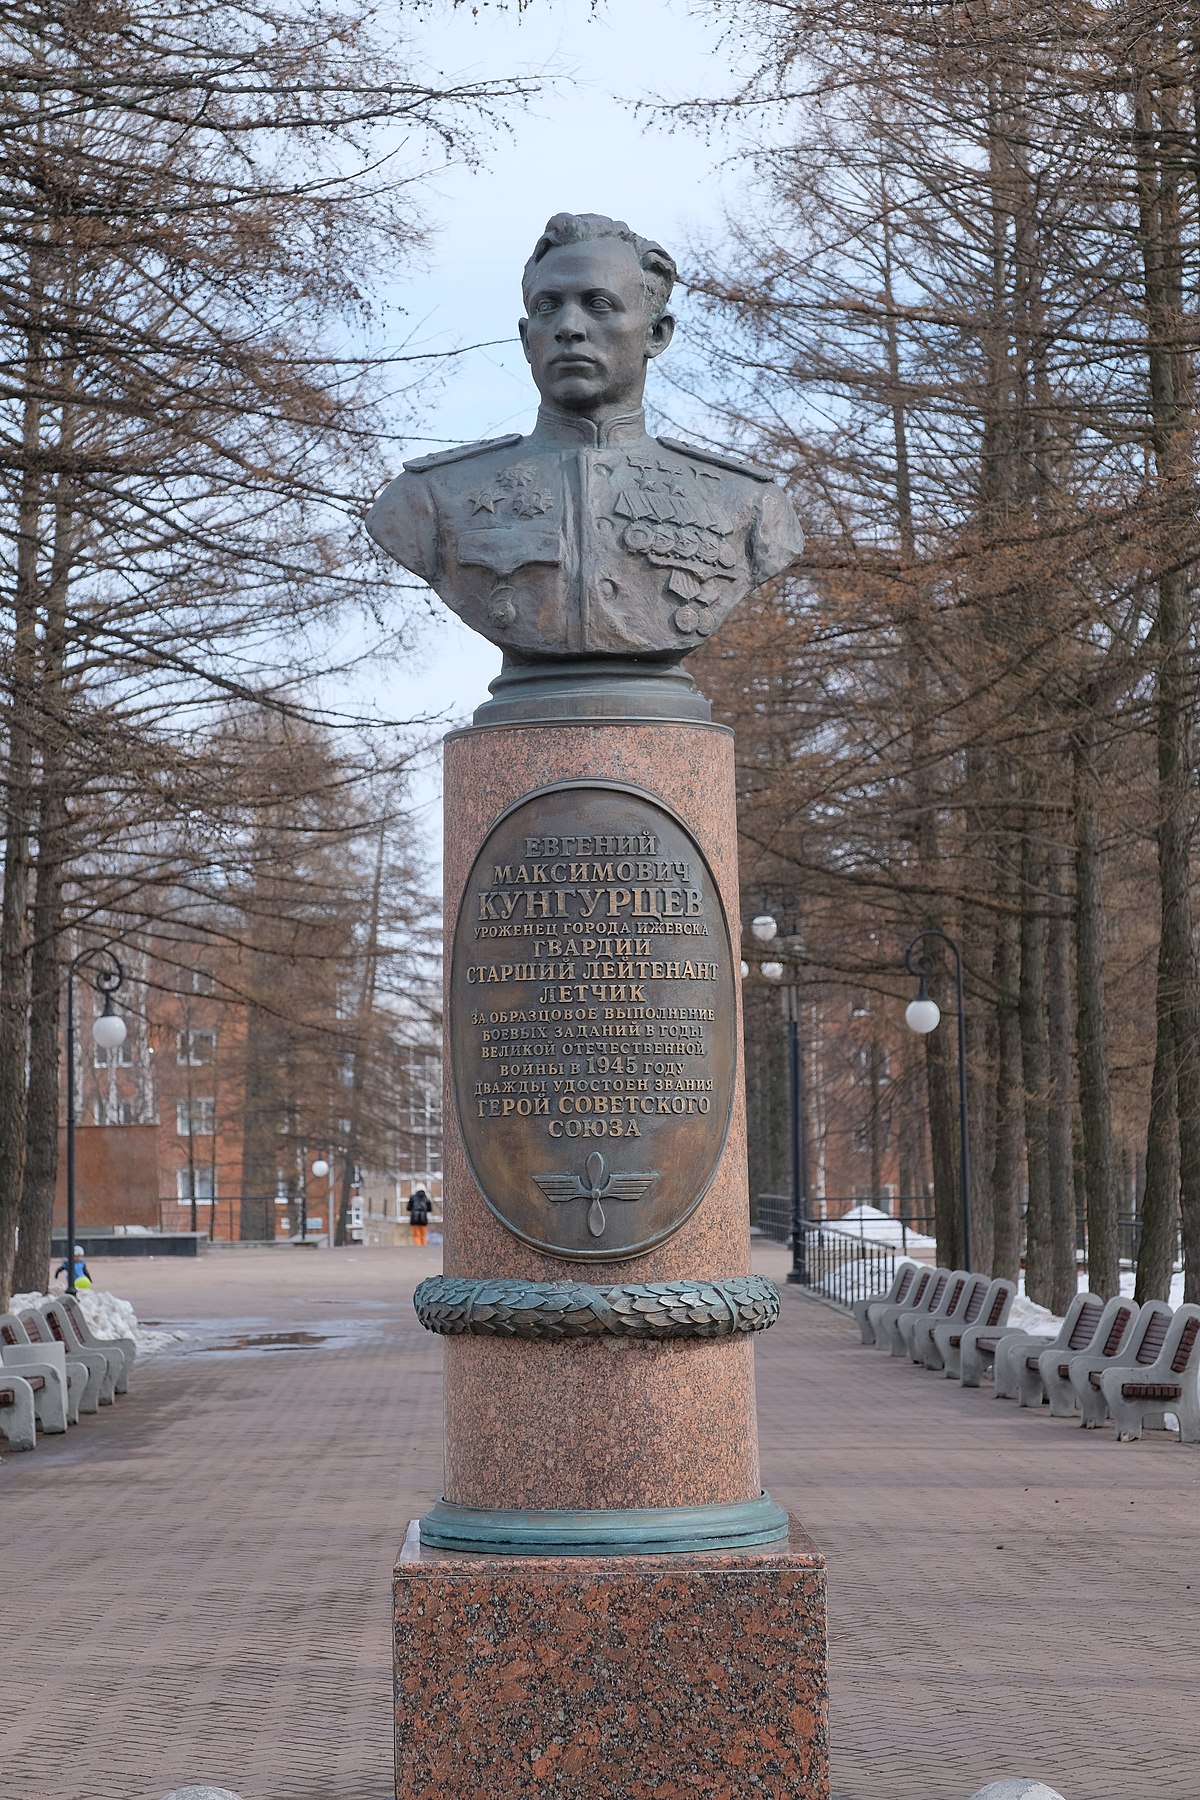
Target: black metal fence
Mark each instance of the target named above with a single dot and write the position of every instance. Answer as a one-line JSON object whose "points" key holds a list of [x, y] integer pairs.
{"points": [[843, 1266], [906, 1217], [847, 1259]]}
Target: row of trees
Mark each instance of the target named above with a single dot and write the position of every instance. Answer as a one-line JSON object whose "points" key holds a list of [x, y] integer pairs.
{"points": [[194, 205], [961, 310]]}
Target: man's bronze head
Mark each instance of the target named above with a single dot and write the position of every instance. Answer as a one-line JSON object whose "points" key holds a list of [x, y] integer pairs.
{"points": [[596, 297]]}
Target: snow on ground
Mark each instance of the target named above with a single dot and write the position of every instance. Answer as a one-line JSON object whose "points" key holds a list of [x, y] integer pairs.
{"points": [[109, 1317], [878, 1228]]}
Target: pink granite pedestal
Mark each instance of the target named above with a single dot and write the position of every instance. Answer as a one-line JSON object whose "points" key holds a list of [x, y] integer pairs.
{"points": [[611, 1678], [600, 1423]]}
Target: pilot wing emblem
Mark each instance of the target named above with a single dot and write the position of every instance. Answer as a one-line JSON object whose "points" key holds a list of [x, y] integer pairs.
{"points": [[596, 1187]]}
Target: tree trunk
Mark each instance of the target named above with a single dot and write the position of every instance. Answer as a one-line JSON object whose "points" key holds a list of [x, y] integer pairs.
{"points": [[260, 1130], [34, 1251], [1035, 1062], [1091, 1026], [1064, 1279], [979, 952], [1160, 1203], [42, 1108], [1158, 97], [1010, 1104], [14, 948], [943, 1132]]}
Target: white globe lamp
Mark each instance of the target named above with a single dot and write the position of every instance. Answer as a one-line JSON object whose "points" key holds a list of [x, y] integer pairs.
{"points": [[922, 1015], [109, 1030]]}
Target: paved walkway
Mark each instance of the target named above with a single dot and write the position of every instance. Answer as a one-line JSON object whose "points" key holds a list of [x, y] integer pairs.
{"points": [[196, 1584]]}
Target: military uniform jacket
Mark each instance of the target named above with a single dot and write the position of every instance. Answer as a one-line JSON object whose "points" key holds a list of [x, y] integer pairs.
{"points": [[587, 540]]}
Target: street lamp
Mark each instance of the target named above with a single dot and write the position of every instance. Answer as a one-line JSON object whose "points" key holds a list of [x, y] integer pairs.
{"points": [[765, 930], [320, 1169], [109, 1033], [922, 1016]]}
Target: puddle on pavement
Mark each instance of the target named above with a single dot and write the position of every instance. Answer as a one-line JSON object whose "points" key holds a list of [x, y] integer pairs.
{"points": [[270, 1340]]}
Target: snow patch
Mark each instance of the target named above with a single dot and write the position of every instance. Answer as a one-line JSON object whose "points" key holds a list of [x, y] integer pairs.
{"points": [[109, 1317], [876, 1227]]}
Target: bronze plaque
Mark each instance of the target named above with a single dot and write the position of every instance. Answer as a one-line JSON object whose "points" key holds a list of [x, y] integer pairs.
{"points": [[593, 1021]]}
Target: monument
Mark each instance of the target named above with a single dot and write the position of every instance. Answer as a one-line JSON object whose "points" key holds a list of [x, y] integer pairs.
{"points": [[603, 1601]]}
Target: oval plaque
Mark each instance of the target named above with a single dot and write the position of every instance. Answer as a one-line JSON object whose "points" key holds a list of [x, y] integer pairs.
{"points": [[593, 1021]]}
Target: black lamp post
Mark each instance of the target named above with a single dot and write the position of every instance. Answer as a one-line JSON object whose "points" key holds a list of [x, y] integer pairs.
{"points": [[923, 1015], [765, 930], [109, 1032]]}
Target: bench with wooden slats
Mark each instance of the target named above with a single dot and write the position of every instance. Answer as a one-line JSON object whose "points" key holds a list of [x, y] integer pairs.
{"points": [[993, 1338], [974, 1308], [896, 1295], [922, 1282], [1150, 1348], [952, 1299], [1112, 1342], [1165, 1390], [8, 1395], [44, 1329], [1084, 1330]]}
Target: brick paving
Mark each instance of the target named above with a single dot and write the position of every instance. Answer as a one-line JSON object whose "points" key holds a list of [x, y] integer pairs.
{"points": [[195, 1584]]}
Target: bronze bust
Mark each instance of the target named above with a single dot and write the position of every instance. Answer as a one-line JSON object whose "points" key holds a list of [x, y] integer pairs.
{"points": [[589, 538]]}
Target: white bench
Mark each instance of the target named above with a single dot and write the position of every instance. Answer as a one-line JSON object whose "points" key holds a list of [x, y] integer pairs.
{"points": [[1092, 1325], [1142, 1346], [966, 1296], [82, 1389], [926, 1297], [1168, 1384], [990, 1316], [1121, 1317], [52, 1401], [100, 1390], [18, 1416], [896, 1295], [124, 1347], [984, 1344]]}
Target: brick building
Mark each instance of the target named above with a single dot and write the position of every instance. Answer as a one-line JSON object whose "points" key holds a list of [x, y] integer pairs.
{"points": [[161, 1122]]}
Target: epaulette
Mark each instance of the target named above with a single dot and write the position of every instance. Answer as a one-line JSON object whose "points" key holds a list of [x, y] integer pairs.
{"points": [[754, 470], [420, 463]]}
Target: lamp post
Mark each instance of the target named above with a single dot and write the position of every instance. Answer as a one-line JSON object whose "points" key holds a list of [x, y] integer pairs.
{"points": [[109, 1032], [320, 1169], [765, 930], [923, 1015]]}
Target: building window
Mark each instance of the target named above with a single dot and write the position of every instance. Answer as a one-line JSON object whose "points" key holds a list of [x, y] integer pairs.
{"points": [[862, 1139], [198, 1120], [203, 982], [119, 1112], [120, 1058], [206, 1186], [196, 1047]]}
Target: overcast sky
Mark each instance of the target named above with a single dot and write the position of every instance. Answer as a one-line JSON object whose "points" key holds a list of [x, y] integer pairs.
{"points": [[581, 148]]}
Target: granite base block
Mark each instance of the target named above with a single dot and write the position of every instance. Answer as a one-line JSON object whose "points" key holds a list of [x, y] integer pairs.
{"points": [[638, 1677]]}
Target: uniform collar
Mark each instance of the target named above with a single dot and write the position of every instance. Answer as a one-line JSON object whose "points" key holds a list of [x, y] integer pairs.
{"points": [[570, 429]]}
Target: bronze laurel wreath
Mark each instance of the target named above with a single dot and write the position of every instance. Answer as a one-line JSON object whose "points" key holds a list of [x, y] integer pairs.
{"points": [[453, 1306]]}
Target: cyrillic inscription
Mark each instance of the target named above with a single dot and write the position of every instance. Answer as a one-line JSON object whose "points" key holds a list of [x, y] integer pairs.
{"points": [[593, 1021]]}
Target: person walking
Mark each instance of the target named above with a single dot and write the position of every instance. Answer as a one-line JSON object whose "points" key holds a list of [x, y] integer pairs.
{"points": [[419, 1209]]}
